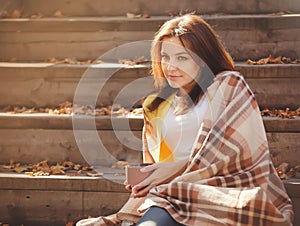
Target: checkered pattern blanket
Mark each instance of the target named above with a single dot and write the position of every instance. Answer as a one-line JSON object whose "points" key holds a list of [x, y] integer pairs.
{"points": [[230, 179]]}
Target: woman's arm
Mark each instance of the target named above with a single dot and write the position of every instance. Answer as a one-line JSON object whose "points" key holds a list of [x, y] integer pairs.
{"points": [[163, 172]]}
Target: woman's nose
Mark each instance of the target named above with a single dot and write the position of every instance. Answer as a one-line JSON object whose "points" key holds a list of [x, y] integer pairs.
{"points": [[171, 66]]}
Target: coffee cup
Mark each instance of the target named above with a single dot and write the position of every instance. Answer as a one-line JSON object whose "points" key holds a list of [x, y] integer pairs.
{"points": [[134, 174]]}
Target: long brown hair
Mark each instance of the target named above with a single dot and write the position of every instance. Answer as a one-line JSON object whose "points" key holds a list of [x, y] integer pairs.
{"points": [[197, 36]]}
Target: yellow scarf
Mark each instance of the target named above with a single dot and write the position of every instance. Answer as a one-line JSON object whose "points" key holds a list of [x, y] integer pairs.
{"points": [[158, 148]]}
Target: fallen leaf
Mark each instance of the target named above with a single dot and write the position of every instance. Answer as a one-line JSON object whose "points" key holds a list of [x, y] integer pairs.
{"points": [[284, 171], [8, 108], [44, 164], [87, 168], [4, 14], [94, 174], [68, 164], [120, 165], [57, 170], [271, 60], [75, 174], [77, 167], [14, 59], [137, 111], [16, 14], [30, 174], [10, 166], [3, 224], [138, 60], [37, 15], [133, 15], [281, 113], [137, 15], [20, 169], [58, 14], [98, 62], [70, 223]]}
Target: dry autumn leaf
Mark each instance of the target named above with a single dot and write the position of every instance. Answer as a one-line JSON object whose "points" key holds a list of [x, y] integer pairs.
{"points": [[12, 60], [87, 168], [67, 108], [137, 111], [136, 61], [16, 14], [137, 15], [284, 114], [43, 168], [4, 14], [37, 15], [3, 224], [20, 169], [94, 174], [75, 174], [285, 172], [10, 166], [271, 60], [58, 14], [70, 223], [120, 165], [57, 170], [77, 167], [68, 164], [53, 60]]}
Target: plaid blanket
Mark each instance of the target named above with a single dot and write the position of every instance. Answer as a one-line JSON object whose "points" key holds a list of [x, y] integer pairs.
{"points": [[230, 179]]}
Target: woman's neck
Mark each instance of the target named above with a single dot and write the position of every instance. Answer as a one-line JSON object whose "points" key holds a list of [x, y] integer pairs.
{"points": [[185, 90]]}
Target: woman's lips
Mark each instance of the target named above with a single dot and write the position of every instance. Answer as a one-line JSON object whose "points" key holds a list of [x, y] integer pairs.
{"points": [[173, 77]]}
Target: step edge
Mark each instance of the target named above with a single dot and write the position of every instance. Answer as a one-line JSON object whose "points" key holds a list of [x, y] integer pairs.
{"points": [[95, 23], [248, 70], [88, 184], [108, 183], [41, 121]]}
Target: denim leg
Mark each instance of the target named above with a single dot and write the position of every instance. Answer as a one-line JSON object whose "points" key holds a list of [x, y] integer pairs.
{"points": [[157, 216]]}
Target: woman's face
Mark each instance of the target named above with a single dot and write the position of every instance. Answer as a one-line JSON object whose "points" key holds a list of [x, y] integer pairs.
{"points": [[178, 66]]}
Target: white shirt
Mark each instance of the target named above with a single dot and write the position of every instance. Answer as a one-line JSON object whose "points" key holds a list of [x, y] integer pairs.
{"points": [[180, 131]]}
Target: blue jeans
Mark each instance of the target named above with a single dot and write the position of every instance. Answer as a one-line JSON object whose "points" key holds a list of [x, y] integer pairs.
{"points": [[157, 216]]}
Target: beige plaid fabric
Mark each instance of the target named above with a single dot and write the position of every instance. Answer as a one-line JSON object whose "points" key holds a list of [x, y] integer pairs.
{"points": [[230, 179]]}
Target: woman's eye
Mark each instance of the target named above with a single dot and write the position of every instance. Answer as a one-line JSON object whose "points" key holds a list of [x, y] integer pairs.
{"points": [[164, 57], [182, 58]]}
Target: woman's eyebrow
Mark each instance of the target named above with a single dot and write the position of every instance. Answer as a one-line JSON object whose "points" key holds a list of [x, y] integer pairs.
{"points": [[181, 53]]}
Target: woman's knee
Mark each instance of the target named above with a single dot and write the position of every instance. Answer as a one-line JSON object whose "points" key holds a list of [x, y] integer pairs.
{"points": [[157, 216]]}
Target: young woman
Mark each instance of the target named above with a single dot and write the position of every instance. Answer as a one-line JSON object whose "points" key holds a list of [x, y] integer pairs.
{"points": [[204, 133]]}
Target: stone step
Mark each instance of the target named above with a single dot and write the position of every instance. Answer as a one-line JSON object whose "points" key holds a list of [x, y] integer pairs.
{"points": [[57, 200], [114, 8], [29, 138], [43, 84], [245, 36], [38, 137]]}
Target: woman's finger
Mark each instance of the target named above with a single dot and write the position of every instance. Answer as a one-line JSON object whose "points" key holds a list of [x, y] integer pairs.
{"points": [[142, 192], [128, 187], [138, 187], [149, 168]]}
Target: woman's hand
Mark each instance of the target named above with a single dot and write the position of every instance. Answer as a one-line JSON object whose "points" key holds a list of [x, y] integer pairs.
{"points": [[127, 186], [163, 172]]}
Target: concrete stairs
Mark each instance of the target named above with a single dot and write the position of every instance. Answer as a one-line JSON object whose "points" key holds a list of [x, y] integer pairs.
{"points": [[91, 30], [84, 38]]}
